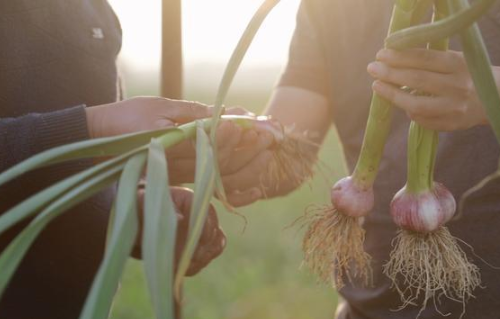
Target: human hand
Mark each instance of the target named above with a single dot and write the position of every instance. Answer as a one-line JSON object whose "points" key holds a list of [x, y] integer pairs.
{"points": [[276, 171], [305, 128], [150, 113], [235, 147], [212, 240], [449, 102], [249, 157], [142, 114]]}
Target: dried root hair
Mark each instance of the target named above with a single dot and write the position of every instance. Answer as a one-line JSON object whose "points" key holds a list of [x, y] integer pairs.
{"points": [[293, 163], [431, 266], [333, 247]]}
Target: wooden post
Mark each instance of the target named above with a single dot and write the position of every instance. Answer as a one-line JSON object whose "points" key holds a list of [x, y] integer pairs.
{"points": [[171, 50], [171, 64]]}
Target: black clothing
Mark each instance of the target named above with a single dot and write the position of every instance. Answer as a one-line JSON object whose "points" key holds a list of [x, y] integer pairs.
{"points": [[56, 56], [333, 43]]}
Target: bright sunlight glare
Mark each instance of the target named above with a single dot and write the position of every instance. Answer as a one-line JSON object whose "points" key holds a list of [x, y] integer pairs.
{"points": [[211, 29]]}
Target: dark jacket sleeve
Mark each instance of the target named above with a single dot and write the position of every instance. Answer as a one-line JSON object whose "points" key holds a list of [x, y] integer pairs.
{"points": [[24, 136], [56, 273]]}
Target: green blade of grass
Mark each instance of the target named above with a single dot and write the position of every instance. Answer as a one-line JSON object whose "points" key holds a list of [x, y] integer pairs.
{"points": [[433, 32], [479, 65], [102, 147], [124, 232], [160, 228], [14, 253], [203, 191]]}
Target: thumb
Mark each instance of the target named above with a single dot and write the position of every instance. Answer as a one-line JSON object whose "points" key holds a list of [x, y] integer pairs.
{"points": [[163, 123], [189, 111], [182, 198]]}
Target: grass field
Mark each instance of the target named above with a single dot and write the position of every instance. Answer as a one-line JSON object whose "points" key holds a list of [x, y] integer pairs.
{"points": [[258, 276]]}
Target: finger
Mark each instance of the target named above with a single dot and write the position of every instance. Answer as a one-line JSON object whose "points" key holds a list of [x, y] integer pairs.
{"points": [[210, 226], [424, 59], [239, 199], [181, 171], [205, 254], [183, 150], [248, 138], [182, 198], [183, 111], [238, 110], [414, 105], [441, 123], [250, 175], [421, 80], [210, 245], [228, 138], [243, 155], [163, 123]]}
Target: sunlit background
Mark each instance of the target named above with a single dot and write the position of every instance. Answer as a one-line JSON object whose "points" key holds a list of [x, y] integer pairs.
{"points": [[211, 29], [258, 276]]}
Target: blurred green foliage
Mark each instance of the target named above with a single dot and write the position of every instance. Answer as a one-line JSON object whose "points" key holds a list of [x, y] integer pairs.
{"points": [[259, 275]]}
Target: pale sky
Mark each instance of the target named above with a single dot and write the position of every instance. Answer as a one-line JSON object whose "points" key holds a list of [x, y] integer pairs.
{"points": [[211, 29]]}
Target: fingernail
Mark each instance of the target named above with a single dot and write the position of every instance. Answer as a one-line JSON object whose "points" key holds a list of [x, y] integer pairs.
{"points": [[256, 193], [375, 68], [251, 136], [163, 123], [382, 54], [376, 86]]}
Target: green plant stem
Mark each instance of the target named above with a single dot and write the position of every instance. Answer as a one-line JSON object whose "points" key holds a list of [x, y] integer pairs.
{"points": [[433, 32], [421, 10], [123, 233], [229, 73], [93, 148], [188, 130], [479, 65], [422, 145], [35, 203], [40, 200], [236, 58], [422, 142], [380, 117], [159, 233], [203, 189], [12, 256], [64, 195]]}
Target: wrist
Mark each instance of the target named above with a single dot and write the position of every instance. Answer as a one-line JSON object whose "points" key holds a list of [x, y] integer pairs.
{"points": [[496, 75], [92, 122]]}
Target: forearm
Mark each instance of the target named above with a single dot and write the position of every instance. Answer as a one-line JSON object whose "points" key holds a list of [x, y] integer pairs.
{"points": [[496, 74], [306, 116], [305, 112], [27, 135]]}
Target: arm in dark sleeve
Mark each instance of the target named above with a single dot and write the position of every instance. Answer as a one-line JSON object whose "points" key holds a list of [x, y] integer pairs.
{"points": [[56, 273], [306, 67], [28, 135]]}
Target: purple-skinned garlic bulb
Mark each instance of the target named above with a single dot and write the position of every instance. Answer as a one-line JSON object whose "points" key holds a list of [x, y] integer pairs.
{"points": [[427, 263], [351, 198], [425, 211]]}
